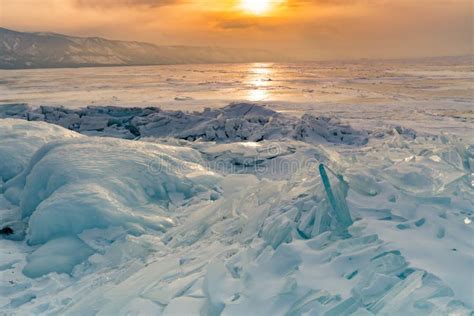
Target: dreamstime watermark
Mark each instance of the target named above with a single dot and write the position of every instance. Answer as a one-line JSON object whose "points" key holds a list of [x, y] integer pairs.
{"points": [[272, 160], [274, 149]]}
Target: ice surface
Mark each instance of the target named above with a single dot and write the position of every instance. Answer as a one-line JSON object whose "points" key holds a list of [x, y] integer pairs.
{"points": [[412, 94], [172, 226]]}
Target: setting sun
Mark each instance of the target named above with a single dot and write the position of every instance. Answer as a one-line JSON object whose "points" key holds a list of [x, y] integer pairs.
{"points": [[257, 7]]}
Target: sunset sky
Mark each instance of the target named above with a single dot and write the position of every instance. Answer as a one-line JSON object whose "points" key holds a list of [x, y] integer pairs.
{"points": [[309, 29]]}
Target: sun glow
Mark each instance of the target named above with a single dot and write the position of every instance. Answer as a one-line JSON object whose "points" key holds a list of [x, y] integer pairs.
{"points": [[257, 7]]}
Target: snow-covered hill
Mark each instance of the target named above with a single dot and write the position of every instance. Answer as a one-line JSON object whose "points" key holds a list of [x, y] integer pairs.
{"points": [[50, 50]]}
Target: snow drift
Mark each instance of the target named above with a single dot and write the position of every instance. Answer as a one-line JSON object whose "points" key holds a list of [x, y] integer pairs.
{"points": [[74, 185], [19, 140]]}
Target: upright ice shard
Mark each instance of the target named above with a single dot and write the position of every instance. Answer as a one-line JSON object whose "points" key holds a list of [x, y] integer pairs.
{"points": [[336, 197]]}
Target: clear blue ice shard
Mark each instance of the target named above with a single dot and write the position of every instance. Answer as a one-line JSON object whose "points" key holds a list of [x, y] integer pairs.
{"points": [[336, 196], [322, 222], [346, 307], [389, 303]]}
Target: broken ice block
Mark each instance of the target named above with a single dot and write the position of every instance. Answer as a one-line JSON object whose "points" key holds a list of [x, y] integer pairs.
{"points": [[336, 196], [397, 294], [346, 307], [312, 297], [322, 221]]}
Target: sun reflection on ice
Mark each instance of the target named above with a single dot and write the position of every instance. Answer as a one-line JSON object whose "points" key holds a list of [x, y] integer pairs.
{"points": [[257, 95], [261, 69], [258, 81]]}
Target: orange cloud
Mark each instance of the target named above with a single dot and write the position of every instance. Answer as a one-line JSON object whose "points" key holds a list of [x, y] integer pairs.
{"points": [[309, 29], [125, 3]]}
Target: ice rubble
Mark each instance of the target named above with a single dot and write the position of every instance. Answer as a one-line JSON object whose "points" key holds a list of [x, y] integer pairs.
{"points": [[175, 227], [236, 122]]}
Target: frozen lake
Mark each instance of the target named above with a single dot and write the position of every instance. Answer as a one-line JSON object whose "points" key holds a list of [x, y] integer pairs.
{"points": [[397, 92], [350, 193], [198, 86]]}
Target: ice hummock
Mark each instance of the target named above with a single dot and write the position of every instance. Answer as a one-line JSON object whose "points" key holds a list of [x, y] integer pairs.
{"points": [[73, 185], [20, 140], [128, 227], [235, 122]]}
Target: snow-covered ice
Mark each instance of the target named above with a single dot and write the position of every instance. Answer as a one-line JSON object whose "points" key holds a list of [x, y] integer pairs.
{"points": [[178, 226], [241, 210], [20, 140], [134, 184]]}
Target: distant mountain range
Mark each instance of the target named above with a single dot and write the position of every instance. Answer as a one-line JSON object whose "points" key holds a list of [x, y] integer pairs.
{"points": [[20, 50]]}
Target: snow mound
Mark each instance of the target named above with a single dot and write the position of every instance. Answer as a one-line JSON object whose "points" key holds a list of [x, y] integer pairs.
{"points": [[235, 122], [73, 185], [60, 255], [19, 140]]}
